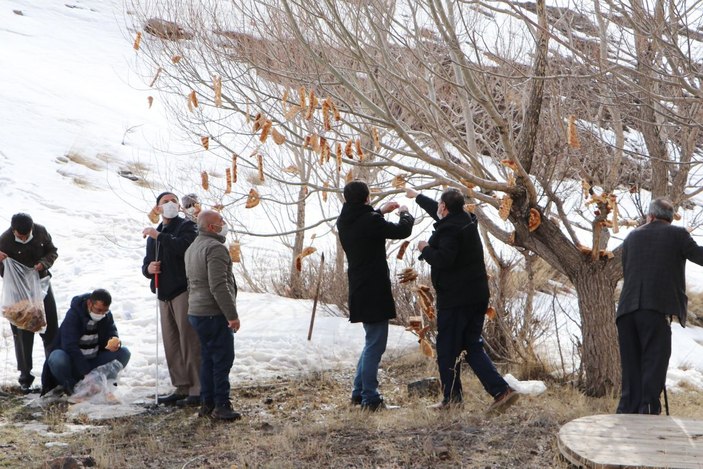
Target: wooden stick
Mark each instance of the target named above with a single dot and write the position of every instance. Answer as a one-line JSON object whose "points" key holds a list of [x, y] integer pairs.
{"points": [[317, 295]]}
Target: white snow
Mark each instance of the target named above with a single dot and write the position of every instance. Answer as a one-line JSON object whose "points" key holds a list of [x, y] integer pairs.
{"points": [[70, 98]]}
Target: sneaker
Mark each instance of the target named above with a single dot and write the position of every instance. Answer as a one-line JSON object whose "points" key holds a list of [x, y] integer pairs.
{"points": [[190, 401], [503, 401], [171, 399], [374, 406], [225, 412], [355, 400], [206, 409]]}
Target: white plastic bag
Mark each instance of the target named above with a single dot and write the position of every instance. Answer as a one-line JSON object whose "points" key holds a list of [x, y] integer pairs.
{"points": [[98, 386], [22, 297]]}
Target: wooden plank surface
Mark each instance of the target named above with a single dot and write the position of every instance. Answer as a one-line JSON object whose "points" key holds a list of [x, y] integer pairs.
{"points": [[632, 441]]}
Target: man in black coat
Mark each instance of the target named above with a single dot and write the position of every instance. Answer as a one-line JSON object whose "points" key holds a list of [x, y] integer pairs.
{"points": [[455, 254], [363, 232], [166, 246], [654, 269], [30, 244]]}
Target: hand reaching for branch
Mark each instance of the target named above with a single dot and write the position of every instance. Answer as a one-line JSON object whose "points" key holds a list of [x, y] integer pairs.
{"points": [[411, 193], [389, 207]]}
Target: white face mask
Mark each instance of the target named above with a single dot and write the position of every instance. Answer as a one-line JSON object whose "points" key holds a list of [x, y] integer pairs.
{"points": [[96, 317], [169, 210], [224, 231], [190, 211], [439, 214], [25, 241]]}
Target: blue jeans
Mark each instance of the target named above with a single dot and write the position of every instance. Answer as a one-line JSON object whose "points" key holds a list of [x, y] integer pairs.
{"points": [[67, 375], [460, 329], [216, 357], [366, 380]]}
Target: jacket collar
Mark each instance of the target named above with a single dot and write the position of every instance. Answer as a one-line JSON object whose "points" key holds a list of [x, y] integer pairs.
{"points": [[210, 234]]}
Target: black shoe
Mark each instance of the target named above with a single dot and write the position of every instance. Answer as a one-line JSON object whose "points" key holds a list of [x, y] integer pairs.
{"points": [[25, 388], [376, 406], [190, 401], [206, 409], [225, 412], [356, 400], [171, 399]]}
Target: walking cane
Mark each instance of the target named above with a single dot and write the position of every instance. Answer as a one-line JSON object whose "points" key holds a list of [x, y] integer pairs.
{"points": [[156, 287], [666, 398], [317, 295]]}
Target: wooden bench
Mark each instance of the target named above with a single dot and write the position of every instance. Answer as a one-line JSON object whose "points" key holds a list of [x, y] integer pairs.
{"points": [[642, 441]]}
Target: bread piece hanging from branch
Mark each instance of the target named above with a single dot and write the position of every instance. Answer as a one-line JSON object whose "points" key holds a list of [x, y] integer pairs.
{"points": [[359, 150], [407, 275], [326, 110], [348, 149], [193, 98], [228, 175], [302, 97], [398, 181], [175, 59], [260, 164], [535, 220], [204, 180], [137, 40], [235, 252], [509, 164], [349, 177], [150, 100], [265, 130], [505, 205], [312, 106], [234, 168], [376, 139], [253, 199], [205, 140], [572, 137], [299, 258], [325, 186], [402, 249], [278, 137]]}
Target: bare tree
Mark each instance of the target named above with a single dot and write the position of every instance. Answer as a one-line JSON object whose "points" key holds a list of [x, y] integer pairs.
{"points": [[521, 105]]}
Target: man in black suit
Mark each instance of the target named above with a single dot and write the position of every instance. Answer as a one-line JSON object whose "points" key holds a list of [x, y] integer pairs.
{"points": [[455, 254], [363, 232], [654, 262]]}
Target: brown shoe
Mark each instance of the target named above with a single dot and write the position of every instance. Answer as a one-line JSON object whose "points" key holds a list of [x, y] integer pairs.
{"points": [[503, 401]]}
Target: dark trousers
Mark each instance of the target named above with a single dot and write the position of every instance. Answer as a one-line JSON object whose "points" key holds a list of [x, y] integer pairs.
{"points": [[645, 348], [216, 357], [24, 340], [459, 329]]}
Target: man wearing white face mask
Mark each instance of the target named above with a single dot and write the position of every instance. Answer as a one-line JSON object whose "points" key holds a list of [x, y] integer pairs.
{"points": [[212, 311], [165, 247], [30, 244], [87, 339]]}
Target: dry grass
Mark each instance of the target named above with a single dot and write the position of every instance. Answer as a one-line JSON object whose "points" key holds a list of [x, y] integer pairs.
{"points": [[307, 422], [90, 163]]}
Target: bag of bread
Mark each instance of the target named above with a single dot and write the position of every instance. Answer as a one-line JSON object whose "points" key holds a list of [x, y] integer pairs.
{"points": [[22, 297]]}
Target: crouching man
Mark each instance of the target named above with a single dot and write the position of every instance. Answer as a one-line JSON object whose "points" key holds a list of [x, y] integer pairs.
{"points": [[87, 339]]}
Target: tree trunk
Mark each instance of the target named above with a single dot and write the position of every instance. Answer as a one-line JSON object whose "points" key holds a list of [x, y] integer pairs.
{"points": [[600, 360], [296, 279]]}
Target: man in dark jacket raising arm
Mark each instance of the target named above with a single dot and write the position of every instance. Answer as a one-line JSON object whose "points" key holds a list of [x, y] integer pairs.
{"points": [[363, 232], [654, 269], [165, 248], [455, 254]]}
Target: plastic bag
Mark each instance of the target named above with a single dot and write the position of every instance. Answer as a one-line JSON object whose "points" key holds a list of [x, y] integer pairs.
{"points": [[98, 386], [22, 297]]}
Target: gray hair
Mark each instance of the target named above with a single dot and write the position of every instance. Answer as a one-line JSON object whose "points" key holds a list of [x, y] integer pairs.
{"points": [[661, 209]]}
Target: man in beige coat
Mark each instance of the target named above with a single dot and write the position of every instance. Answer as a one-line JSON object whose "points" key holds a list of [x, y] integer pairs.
{"points": [[212, 312]]}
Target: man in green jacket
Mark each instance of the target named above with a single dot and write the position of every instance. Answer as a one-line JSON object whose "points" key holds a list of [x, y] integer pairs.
{"points": [[212, 312]]}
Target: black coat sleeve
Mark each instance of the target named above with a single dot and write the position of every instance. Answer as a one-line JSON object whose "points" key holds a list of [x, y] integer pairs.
{"points": [[428, 205], [390, 230]]}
